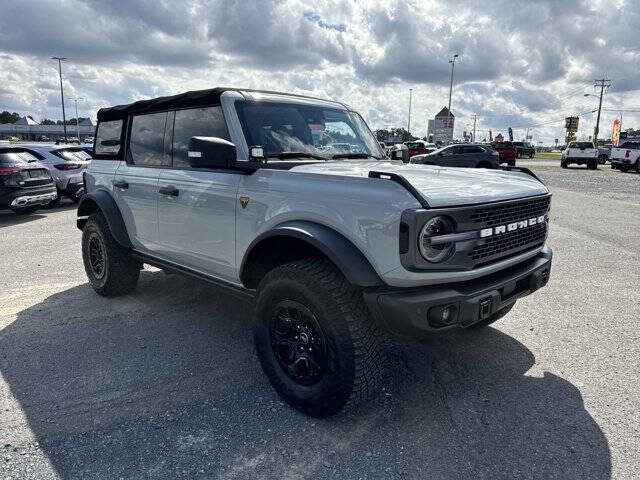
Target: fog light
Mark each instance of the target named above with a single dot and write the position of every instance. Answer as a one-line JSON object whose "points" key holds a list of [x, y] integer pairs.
{"points": [[442, 315]]}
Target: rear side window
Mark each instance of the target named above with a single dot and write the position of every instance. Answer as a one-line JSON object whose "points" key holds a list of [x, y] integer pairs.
{"points": [[472, 150], [108, 138], [194, 122], [582, 145], [13, 156], [146, 143], [72, 154]]}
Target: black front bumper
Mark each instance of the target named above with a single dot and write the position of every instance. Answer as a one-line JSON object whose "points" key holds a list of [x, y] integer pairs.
{"points": [[411, 312]]}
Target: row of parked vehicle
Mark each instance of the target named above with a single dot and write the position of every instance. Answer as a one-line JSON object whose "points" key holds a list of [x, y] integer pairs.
{"points": [[33, 176], [474, 155]]}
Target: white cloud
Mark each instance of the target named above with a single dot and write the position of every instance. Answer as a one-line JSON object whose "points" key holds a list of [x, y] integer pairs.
{"points": [[521, 63]]}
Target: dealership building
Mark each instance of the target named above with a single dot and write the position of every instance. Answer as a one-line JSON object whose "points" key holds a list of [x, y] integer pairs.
{"points": [[28, 129]]}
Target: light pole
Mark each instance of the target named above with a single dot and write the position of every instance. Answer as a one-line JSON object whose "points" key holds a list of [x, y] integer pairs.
{"points": [[452, 61], [64, 118], [409, 121], [75, 100]]}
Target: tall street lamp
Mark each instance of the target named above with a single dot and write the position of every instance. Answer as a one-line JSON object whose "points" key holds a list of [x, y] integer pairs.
{"points": [[409, 122], [77, 121], [452, 61], [64, 118]]}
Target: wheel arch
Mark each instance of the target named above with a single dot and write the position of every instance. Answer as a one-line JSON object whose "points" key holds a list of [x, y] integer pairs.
{"points": [[294, 240], [102, 201]]}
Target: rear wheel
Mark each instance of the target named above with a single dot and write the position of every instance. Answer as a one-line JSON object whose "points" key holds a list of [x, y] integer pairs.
{"points": [[638, 165], [624, 168], [563, 163], [511, 163], [25, 210], [109, 267], [316, 341], [602, 159], [592, 165]]}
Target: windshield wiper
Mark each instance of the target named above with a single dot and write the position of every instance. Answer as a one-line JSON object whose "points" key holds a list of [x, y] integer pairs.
{"points": [[284, 155], [354, 155]]}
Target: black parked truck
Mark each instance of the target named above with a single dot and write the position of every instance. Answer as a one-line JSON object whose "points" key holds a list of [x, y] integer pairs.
{"points": [[524, 149]]}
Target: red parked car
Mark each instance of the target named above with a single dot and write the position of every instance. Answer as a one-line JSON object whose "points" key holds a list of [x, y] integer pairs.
{"points": [[507, 152], [419, 147]]}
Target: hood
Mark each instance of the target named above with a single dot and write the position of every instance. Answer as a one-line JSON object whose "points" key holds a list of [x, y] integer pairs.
{"points": [[442, 186]]}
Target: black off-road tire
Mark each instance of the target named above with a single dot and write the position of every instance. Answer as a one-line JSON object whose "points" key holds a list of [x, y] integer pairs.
{"points": [[511, 163], [563, 164], [602, 159], [624, 168], [355, 347], [25, 210], [493, 318], [592, 165], [120, 272]]}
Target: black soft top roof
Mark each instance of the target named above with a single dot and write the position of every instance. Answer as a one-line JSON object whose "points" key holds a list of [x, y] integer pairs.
{"points": [[195, 98]]}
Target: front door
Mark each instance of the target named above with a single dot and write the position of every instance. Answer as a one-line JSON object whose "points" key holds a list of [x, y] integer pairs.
{"points": [[135, 184], [197, 207]]}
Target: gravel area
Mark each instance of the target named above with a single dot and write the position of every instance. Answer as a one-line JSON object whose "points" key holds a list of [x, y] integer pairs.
{"points": [[164, 383]]}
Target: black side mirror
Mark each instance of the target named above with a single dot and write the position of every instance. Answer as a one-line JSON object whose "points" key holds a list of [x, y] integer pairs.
{"points": [[211, 152]]}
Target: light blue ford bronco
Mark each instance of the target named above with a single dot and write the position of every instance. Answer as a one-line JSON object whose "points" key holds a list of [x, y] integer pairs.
{"points": [[290, 201]]}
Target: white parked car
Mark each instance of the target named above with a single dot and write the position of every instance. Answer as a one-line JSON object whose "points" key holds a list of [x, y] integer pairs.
{"points": [[580, 153], [66, 163]]}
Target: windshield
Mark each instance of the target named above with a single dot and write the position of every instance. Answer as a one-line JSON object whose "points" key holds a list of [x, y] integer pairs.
{"points": [[287, 128]]}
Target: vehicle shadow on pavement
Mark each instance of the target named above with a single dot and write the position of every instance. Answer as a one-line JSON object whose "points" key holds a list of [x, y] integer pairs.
{"points": [[8, 218], [164, 383]]}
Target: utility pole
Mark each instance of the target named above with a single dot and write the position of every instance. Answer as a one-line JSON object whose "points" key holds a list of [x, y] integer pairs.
{"points": [[409, 122], [452, 61], [64, 118], [475, 117], [77, 121], [602, 83]]}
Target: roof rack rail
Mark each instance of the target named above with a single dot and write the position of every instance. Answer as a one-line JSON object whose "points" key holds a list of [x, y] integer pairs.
{"points": [[394, 177]]}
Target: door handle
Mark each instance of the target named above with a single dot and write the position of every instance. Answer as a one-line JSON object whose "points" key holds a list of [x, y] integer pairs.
{"points": [[169, 190], [120, 184]]}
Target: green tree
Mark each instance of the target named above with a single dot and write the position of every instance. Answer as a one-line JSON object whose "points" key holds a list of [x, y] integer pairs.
{"points": [[46, 121], [6, 117]]}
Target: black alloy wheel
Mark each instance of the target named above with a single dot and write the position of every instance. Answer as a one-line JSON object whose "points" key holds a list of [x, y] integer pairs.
{"points": [[298, 342], [97, 255]]}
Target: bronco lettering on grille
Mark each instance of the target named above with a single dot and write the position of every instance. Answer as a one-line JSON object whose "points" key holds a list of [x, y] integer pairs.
{"points": [[510, 227]]}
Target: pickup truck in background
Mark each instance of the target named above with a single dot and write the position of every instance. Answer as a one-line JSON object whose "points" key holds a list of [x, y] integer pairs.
{"points": [[524, 149], [579, 153], [419, 147], [626, 156], [604, 153]]}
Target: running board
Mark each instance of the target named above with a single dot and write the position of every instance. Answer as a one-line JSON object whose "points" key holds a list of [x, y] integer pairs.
{"points": [[235, 290]]}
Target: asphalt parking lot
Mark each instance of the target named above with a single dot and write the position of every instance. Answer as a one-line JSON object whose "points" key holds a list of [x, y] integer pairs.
{"points": [[164, 383]]}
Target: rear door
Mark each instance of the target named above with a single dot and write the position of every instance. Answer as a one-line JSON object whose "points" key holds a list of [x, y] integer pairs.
{"points": [[135, 184], [471, 155], [197, 206]]}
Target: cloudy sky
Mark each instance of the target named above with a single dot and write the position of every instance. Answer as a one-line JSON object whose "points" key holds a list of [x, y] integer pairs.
{"points": [[523, 63]]}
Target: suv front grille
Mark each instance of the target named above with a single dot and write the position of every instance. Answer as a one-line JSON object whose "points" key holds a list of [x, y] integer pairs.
{"points": [[508, 243], [501, 214]]}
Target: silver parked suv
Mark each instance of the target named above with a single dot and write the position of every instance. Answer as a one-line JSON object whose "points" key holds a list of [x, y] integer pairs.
{"points": [[338, 247]]}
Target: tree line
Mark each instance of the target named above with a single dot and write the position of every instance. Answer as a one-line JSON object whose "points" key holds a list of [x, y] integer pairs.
{"points": [[13, 117]]}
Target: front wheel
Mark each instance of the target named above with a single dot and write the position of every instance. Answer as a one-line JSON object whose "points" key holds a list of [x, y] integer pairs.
{"points": [[315, 339], [602, 159], [109, 267], [592, 166]]}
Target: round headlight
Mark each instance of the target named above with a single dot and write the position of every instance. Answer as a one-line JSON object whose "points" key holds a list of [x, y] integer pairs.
{"points": [[435, 227]]}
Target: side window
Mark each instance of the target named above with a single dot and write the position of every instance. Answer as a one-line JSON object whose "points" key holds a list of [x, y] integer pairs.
{"points": [[108, 138], [194, 122], [146, 144]]}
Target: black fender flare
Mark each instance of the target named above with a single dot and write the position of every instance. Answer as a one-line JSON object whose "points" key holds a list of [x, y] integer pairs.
{"points": [[335, 246], [103, 201]]}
